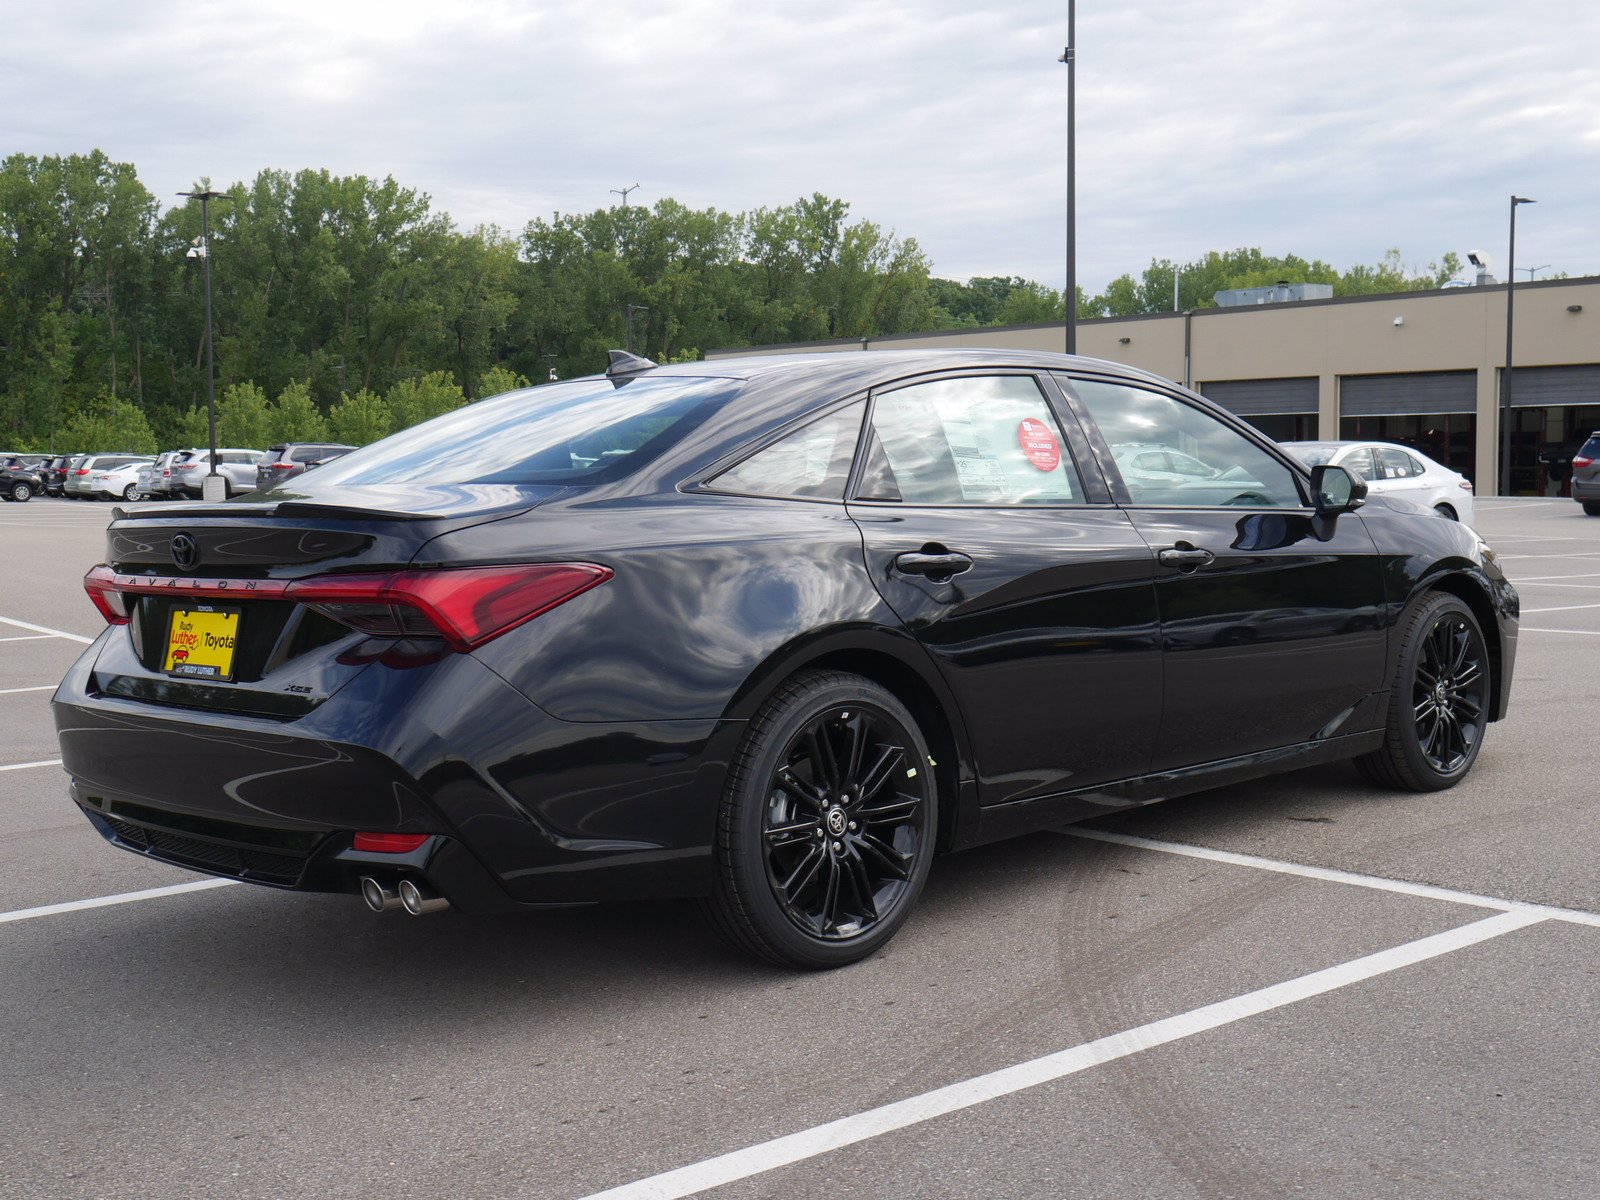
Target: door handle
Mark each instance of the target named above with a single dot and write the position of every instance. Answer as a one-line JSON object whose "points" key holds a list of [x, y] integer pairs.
{"points": [[1186, 558], [934, 566]]}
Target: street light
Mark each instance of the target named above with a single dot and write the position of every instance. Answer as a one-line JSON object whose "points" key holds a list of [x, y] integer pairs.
{"points": [[1532, 271], [213, 486], [1505, 379], [1069, 56]]}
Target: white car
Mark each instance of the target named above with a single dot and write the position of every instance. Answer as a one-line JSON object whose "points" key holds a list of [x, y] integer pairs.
{"points": [[1394, 470], [115, 478]]}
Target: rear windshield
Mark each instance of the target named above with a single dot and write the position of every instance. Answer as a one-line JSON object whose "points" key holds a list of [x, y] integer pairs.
{"points": [[589, 431], [1591, 448]]}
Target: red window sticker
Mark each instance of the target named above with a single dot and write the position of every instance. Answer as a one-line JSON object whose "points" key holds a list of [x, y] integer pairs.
{"points": [[1039, 444]]}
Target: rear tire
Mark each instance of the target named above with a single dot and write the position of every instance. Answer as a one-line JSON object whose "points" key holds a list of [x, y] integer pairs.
{"points": [[1592, 507], [1438, 703], [827, 825]]}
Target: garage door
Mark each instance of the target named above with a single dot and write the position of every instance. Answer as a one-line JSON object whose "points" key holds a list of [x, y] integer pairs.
{"points": [[1418, 392], [1550, 387], [1263, 397]]}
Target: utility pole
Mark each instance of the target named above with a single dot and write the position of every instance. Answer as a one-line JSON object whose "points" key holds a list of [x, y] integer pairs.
{"points": [[1069, 56], [623, 192], [213, 487]]}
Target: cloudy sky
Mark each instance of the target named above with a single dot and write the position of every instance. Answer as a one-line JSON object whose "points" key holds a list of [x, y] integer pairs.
{"points": [[1333, 130]]}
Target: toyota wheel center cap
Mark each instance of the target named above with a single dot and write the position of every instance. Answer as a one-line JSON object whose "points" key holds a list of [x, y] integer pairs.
{"points": [[836, 821]]}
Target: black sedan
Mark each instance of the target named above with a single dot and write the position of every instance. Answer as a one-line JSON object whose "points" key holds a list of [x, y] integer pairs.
{"points": [[769, 632]]}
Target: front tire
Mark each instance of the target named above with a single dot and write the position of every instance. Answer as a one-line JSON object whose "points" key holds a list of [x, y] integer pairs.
{"points": [[1591, 508], [131, 492], [1438, 704], [21, 493], [827, 824]]}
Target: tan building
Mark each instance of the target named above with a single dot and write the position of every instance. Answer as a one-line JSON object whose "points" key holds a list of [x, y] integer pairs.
{"points": [[1418, 367]]}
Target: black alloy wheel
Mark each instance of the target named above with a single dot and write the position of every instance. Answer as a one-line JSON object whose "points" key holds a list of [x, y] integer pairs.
{"points": [[1439, 705], [827, 829]]}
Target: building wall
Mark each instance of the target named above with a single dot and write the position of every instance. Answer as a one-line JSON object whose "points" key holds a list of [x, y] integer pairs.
{"points": [[1454, 329]]}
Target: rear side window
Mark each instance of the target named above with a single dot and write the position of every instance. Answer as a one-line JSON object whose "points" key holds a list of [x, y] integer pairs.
{"points": [[811, 463], [988, 440], [1591, 448], [307, 453], [1397, 464], [586, 431]]}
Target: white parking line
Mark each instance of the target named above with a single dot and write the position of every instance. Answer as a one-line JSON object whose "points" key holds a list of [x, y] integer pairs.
{"points": [[29, 637], [1543, 578], [796, 1147], [1426, 891], [172, 889], [1559, 608], [1586, 587], [45, 629], [44, 687], [43, 762], [1583, 632]]}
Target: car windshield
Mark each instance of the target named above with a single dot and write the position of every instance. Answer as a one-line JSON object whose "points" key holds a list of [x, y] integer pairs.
{"points": [[1591, 448], [587, 431], [1313, 454]]}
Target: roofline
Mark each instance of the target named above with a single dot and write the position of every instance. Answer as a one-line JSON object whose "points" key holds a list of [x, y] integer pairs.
{"points": [[1218, 310]]}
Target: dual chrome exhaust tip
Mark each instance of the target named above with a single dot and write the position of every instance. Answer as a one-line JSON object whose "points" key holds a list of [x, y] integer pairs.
{"points": [[416, 898]]}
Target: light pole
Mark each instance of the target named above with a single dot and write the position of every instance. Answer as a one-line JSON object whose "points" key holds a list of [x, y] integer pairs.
{"points": [[623, 192], [633, 308], [1069, 56], [1505, 379], [1532, 271], [213, 487]]}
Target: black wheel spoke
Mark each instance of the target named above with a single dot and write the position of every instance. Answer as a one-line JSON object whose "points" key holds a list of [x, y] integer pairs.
{"points": [[830, 893], [799, 790], [803, 873], [883, 767], [889, 811], [863, 886], [792, 834], [824, 762], [892, 861], [856, 746], [1471, 707]]}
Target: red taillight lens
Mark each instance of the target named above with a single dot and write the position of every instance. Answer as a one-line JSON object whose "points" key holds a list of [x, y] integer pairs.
{"points": [[279, 466], [390, 843], [81, 471], [113, 605], [467, 606], [1466, 485], [1582, 460]]}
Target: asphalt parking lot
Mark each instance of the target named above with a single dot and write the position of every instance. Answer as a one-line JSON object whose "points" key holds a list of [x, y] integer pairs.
{"points": [[1299, 986]]}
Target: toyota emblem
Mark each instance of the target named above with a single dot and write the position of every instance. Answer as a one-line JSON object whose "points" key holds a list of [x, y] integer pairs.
{"points": [[185, 552]]}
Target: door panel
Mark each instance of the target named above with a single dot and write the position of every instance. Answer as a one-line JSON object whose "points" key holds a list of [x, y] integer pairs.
{"points": [[1049, 640], [1269, 643]]}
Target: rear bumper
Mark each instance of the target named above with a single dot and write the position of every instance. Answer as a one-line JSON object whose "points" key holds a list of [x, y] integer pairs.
{"points": [[523, 810], [1586, 489]]}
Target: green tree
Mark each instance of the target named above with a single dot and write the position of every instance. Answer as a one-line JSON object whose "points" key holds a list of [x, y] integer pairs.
{"points": [[359, 419], [498, 379], [413, 401], [243, 417], [294, 417], [107, 423]]}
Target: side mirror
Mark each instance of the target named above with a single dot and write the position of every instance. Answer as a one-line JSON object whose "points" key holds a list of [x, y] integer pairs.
{"points": [[1335, 490]]}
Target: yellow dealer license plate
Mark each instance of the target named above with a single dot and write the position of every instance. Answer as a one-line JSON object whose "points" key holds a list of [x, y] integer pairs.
{"points": [[200, 642]]}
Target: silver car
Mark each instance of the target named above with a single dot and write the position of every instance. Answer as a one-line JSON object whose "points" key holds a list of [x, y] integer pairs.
{"points": [[82, 484], [153, 478], [237, 468]]}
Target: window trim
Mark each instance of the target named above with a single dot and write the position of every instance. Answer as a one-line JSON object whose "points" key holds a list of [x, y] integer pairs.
{"points": [[702, 482], [1298, 471]]}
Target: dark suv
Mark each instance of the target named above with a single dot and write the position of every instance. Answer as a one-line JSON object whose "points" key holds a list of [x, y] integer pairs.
{"points": [[1586, 475], [294, 458]]}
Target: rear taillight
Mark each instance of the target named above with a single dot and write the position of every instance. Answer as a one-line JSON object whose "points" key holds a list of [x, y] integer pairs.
{"points": [[100, 583], [466, 606], [279, 466], [1466, 485], [81, 471], [1582, 460]]}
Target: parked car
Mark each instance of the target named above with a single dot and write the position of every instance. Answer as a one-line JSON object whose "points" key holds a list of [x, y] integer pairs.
{"points": [[19, 481], [284, 462], [155, 481], [1586, 475], [1394, 470], [79, 482], [112, 477], [25, 461], [237, 468], [768, 632], [54, 473], [1169, 471]]}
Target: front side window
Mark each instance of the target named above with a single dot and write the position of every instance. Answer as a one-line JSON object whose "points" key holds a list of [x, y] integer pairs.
{"points": [[1360, 461], [989, 440], [1207, 463], [812, 462]]}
